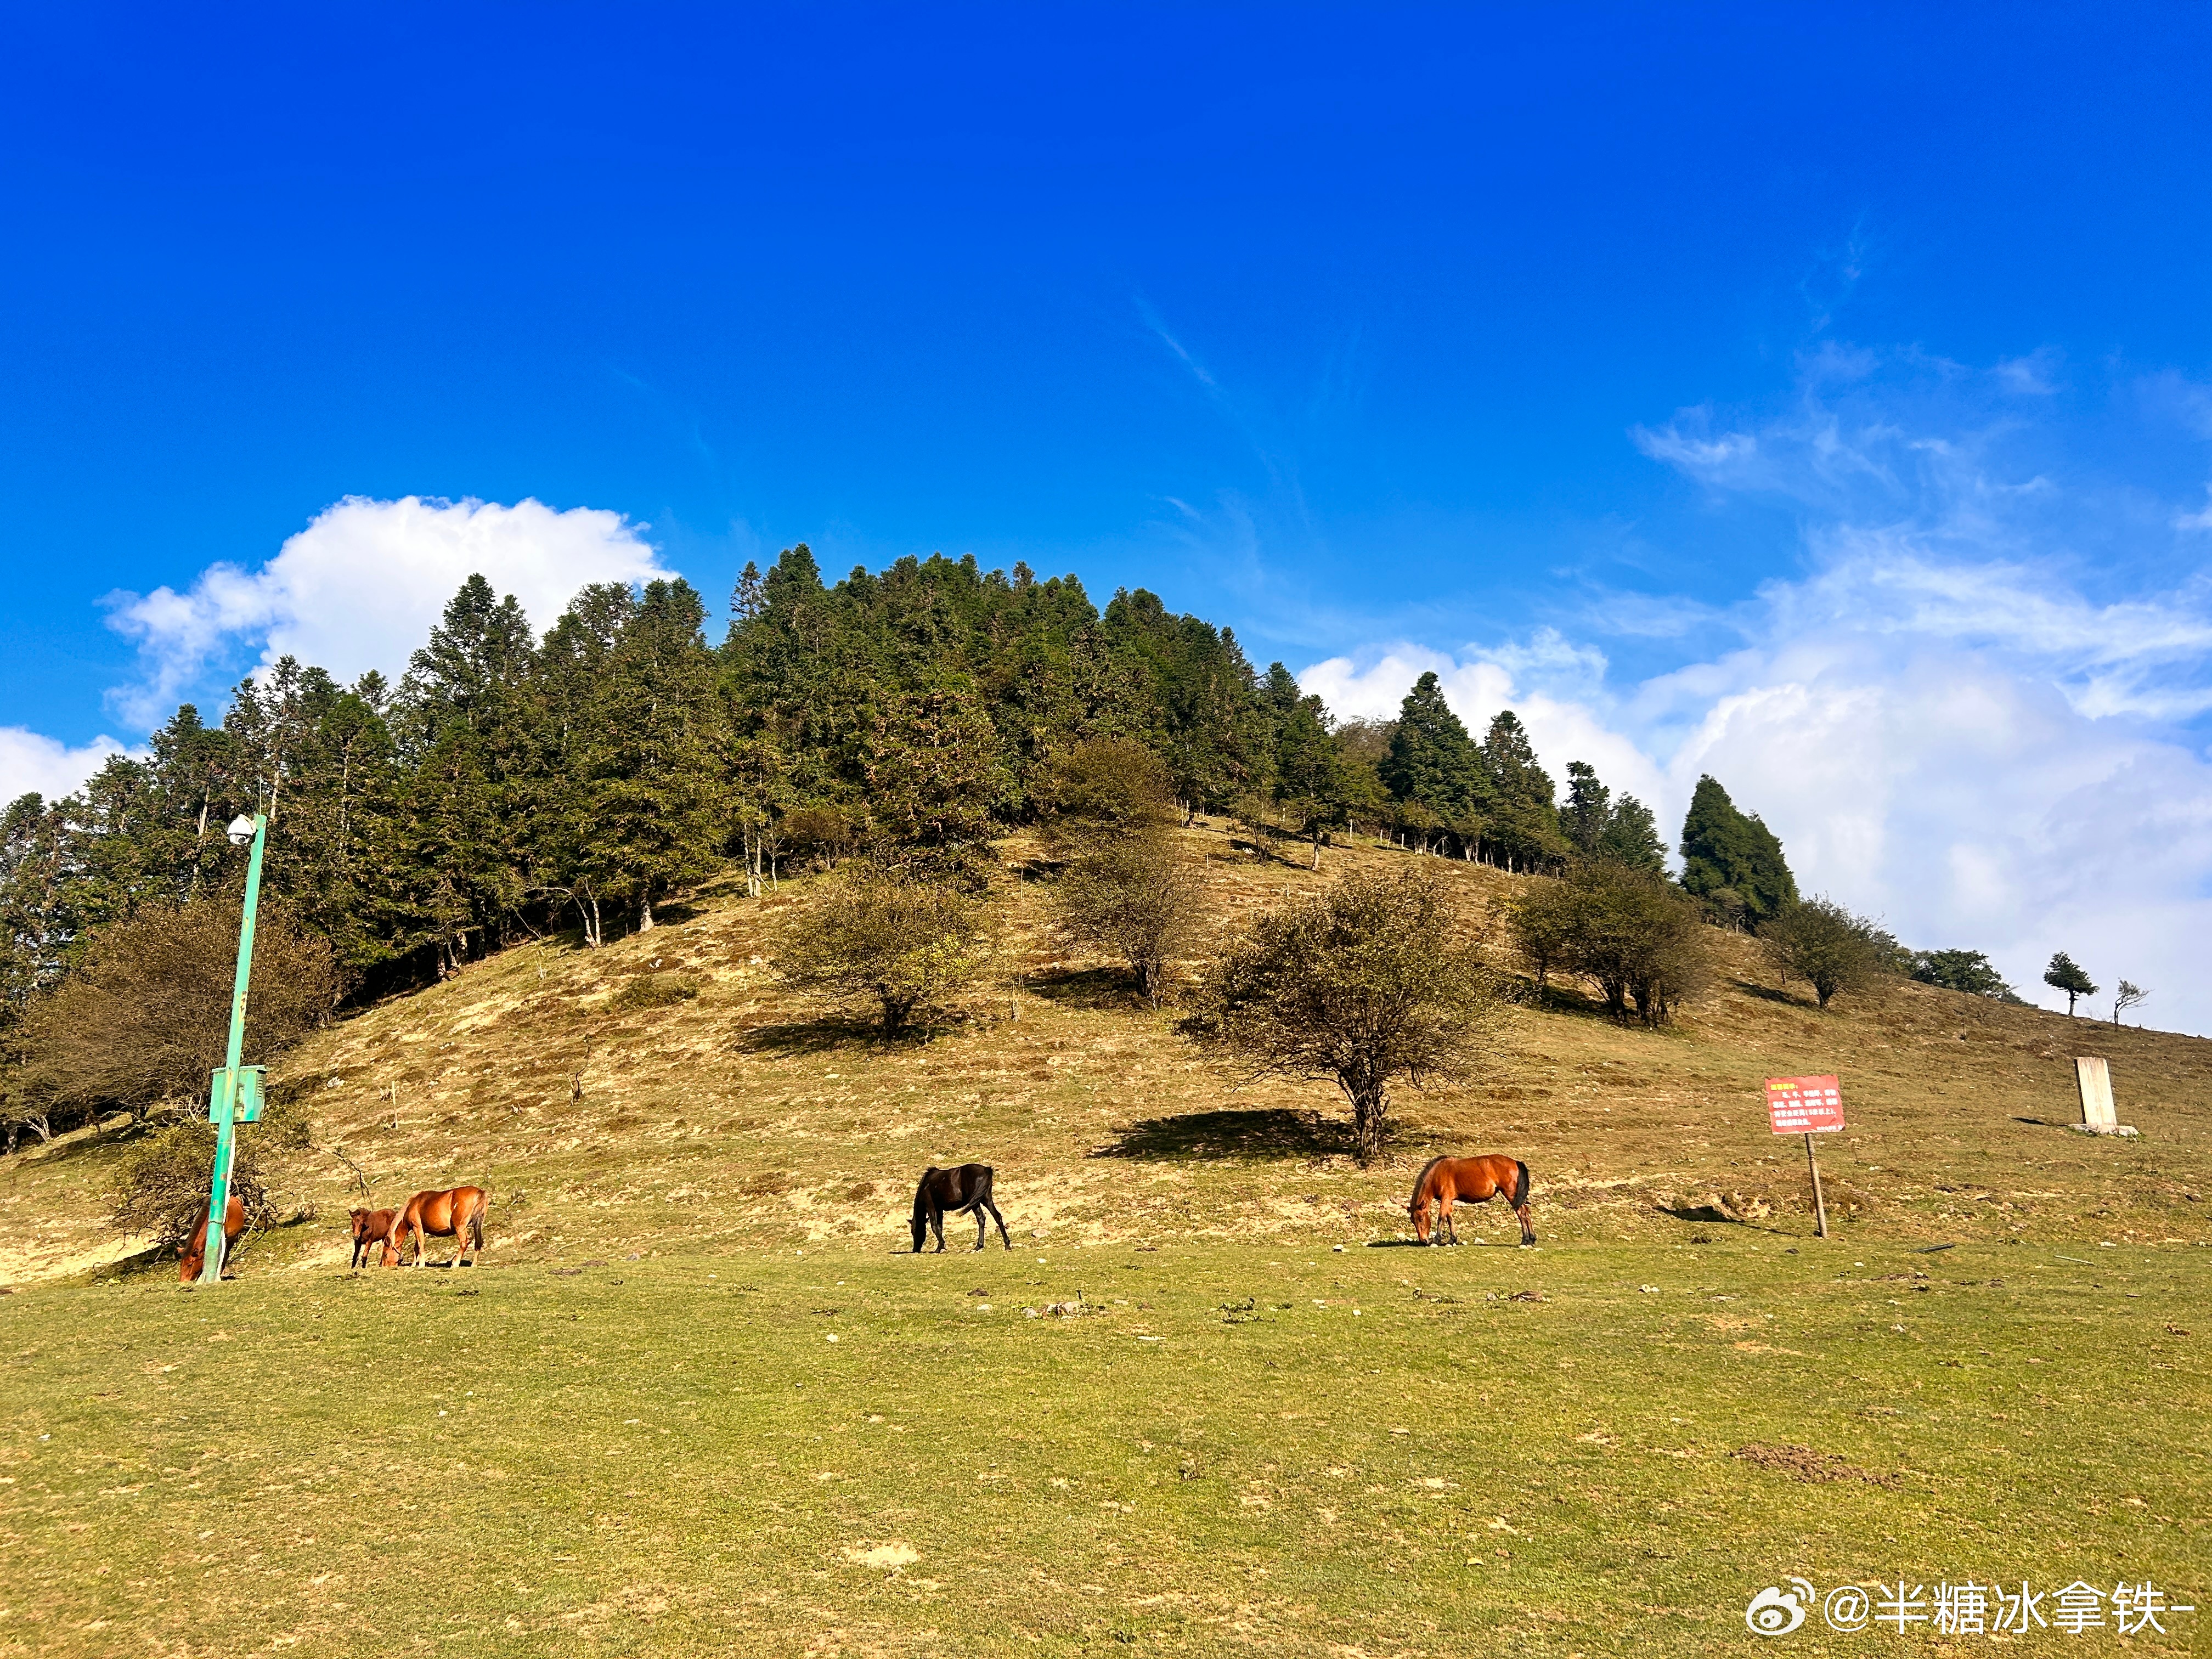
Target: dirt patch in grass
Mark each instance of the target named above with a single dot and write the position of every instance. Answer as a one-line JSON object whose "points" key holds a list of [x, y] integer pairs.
{"points": [[1814, 1467]]}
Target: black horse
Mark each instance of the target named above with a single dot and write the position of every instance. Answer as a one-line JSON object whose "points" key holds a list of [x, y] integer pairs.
{"points": [[963, 1191]]}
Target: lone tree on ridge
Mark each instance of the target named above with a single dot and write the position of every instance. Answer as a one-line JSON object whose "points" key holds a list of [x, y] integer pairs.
{"points": [[2065, 974]]}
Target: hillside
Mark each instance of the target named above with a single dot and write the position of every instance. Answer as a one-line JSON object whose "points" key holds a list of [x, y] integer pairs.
{"points": [[739, 1118], [696, 1403]]}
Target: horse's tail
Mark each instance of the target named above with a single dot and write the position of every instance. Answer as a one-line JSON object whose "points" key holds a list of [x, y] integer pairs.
{"points": [[1520, 1183], [1421, 1185]]}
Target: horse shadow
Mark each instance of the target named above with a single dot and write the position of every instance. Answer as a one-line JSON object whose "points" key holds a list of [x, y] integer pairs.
{"points": [[1262, 1133]]}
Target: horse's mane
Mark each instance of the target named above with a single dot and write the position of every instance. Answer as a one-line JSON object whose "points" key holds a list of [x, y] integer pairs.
{"points": [[1421, 1180]]}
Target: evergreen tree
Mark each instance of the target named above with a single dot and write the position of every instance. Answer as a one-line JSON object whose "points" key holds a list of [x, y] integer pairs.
{"points": [[1314, 785], [1523, 827], [1969, 971], [1433, 767], [1631, 836], [1588, 809], [1727, 856], [647, 771]]}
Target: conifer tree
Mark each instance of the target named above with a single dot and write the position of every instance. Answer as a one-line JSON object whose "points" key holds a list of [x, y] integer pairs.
{"points": [[1433, 766], [1587, 809], [1314, 785], [1631, 836], [1523, 827], [1727, 855]]}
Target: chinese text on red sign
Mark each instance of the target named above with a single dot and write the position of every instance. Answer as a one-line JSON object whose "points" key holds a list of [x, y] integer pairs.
{"points": [[1797, 1105]]}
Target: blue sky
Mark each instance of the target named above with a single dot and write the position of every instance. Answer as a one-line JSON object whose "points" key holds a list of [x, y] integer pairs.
{"points": [[1697, 379]]}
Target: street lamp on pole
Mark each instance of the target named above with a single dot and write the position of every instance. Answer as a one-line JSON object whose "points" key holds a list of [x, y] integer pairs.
{"points": [[234, 1090]]}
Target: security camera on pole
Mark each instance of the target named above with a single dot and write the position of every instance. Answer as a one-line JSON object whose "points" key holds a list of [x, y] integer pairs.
{"points": [[234, 1090]]}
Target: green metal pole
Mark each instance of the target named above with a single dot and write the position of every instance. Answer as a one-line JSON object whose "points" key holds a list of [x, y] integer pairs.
{"points": [[222, 1108]]}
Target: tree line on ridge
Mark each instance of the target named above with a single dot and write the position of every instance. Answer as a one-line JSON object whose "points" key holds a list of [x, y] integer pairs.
{"points": [[510, 784]]}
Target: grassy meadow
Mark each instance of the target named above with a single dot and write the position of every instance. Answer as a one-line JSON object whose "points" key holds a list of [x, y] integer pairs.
{"points": [[697, 1400]]}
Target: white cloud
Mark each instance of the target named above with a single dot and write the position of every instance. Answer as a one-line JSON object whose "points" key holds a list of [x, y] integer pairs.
{"points": [[32, 761], [1944, 727], [360, 587]]}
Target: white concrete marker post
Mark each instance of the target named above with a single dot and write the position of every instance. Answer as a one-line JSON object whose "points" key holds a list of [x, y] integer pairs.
{"points": [[2093, 1077]]}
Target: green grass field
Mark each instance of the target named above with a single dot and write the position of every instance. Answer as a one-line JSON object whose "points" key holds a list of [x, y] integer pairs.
{"points": [[1382, 1450], [629, 1431]]}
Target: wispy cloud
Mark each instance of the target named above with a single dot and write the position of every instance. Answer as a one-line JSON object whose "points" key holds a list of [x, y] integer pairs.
{"points": [[1199, 371], [1973, 705]]}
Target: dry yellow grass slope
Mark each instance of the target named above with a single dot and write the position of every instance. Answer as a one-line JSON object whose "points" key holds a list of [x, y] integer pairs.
{"points": [[740, 1116]]}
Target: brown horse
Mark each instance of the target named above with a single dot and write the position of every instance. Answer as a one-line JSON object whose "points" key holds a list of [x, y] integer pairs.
{"points": [[963, 1191], [193, 1256], [1444, 1181], [457, 1214], [372, 1229]]}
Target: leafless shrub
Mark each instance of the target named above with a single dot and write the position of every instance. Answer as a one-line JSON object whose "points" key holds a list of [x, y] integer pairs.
{"points": [[145, 1017]]}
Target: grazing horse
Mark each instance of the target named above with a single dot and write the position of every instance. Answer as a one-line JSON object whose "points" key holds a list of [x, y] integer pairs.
{"points": [[1476, 1180], [193, 1256], [963, 1191], [372, 1229], [457, 1214]]}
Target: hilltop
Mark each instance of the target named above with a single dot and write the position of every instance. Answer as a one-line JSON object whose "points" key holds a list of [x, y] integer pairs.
{"points": [[666, 1092]]}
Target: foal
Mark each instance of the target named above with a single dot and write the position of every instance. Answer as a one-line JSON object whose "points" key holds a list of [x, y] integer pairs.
{"points": [[1476, 1180], [963, 1191], [372, 1231]]}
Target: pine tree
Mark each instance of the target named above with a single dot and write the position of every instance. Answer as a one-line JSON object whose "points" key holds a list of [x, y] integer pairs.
{"points": [[1588, 809], [1433, 767], [1727, 856], [1523, 827], [1314, 785], [1631, 836], [649, 767]]}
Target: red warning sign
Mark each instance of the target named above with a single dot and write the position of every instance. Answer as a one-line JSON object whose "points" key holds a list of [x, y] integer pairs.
{"points": [[1803, 1105]]}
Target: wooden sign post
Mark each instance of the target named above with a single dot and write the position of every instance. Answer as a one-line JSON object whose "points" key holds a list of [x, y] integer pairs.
{"points": [[1806, 1106]]}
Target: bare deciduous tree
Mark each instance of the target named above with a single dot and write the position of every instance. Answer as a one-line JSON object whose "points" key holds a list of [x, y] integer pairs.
{"points": [[1368, 982], [2128, 996], [145, 1019]]}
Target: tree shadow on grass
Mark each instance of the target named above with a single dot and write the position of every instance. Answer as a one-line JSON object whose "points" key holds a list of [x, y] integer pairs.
{"points": [[82, 1141], [1766, 993], [1270, 1131], [829, 1034], [1086, 987], [1559, 996]]}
